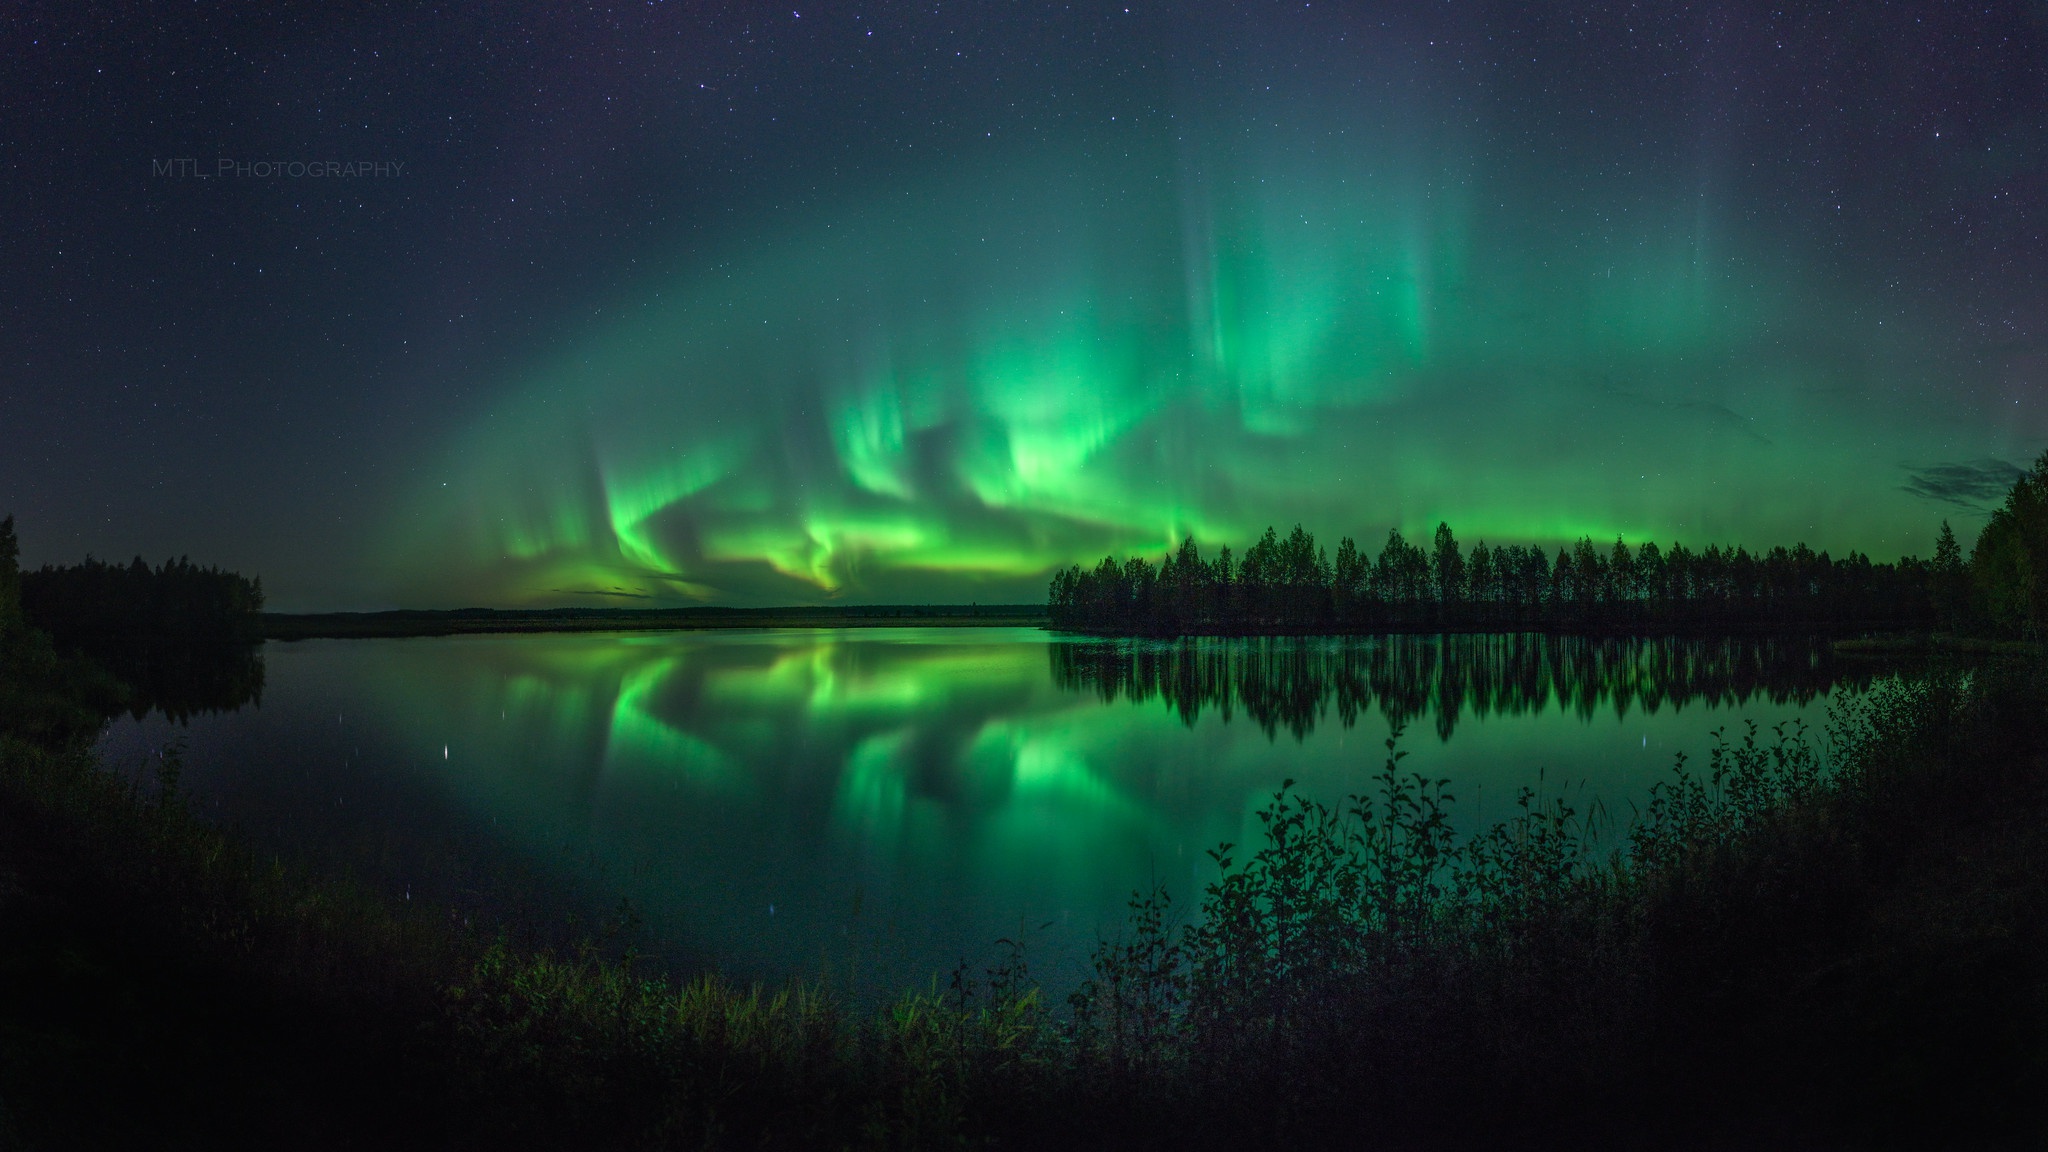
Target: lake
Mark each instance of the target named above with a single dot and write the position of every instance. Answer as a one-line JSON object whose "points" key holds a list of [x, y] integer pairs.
{"points": [[881, 803]]}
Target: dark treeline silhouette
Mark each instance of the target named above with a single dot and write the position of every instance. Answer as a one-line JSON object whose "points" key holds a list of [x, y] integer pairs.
{"points": [[180, 637], [2004, 591], [1297, 682], [1290, 584], [177, 600], [10, 578]]}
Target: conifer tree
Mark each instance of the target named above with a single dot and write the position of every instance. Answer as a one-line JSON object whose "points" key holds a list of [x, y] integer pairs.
{"points": [[10, 577], [1448, 566], [1950, 579]]}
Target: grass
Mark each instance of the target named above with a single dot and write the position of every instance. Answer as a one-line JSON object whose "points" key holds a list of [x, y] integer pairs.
{"points": [[1809, 939]]}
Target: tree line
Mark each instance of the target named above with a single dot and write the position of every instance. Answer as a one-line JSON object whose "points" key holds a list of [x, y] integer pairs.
{"points": [[1291, 584], [2006, 592], [82, 603], [1283, 584]]}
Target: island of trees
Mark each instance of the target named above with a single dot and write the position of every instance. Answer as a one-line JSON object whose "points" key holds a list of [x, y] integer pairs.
{"points": [[1283, 584]]}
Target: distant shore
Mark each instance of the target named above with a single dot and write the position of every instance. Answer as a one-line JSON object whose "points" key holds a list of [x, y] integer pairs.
{"points": [[472, 621]]}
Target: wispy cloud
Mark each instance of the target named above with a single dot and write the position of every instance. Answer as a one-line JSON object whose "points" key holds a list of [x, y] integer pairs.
{"points": [[1973, 484], [617, 592], [1718, 415]]}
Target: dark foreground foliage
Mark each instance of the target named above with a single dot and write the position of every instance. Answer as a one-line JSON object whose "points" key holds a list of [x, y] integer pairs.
{"points": [[1792, 945]]}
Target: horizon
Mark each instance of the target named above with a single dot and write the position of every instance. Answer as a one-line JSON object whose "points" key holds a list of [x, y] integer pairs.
{"points": [[599, 604]]}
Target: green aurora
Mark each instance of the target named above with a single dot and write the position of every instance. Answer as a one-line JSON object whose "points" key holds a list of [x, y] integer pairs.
{"points": [[943, 388]]}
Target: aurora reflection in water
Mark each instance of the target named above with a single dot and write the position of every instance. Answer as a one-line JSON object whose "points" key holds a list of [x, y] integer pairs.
{"points": [[909, 796]]}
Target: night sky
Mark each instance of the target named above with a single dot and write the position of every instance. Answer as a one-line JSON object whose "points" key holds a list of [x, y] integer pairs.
{"points": [[671, 303]]}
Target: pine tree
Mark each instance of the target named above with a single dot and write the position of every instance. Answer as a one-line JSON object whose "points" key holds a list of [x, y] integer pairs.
{"points": [[1950, 579], [1448, 566], [10, 577]]}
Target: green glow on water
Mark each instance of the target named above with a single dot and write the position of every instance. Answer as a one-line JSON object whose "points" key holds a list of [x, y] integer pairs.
{"points": [[953, 782]]}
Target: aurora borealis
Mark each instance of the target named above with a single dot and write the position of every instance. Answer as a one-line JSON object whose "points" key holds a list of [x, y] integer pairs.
{"points": [[882, 304]]}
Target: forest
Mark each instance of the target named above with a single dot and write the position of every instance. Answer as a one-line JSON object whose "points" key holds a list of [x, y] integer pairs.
{"points": [[1291, 584], [80, 603], [176, 637]]}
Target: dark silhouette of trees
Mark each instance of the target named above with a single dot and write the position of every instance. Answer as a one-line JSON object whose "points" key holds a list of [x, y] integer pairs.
{"points": [[10, 578], [177, 599], [1948, 581], [1448, 566], [1289, 585], [2009, 566], [180, 637]]}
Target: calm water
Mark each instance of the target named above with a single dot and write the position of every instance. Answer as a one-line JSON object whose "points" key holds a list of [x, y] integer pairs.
{"points": [[886, 802]]}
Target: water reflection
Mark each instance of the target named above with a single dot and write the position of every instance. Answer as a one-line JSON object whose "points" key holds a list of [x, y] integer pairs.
{"points": [[177, 678], [1292, 683], [774, 801]]}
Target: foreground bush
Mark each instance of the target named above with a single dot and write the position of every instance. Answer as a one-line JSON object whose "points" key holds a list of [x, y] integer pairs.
{"points": [[1366, 962]]}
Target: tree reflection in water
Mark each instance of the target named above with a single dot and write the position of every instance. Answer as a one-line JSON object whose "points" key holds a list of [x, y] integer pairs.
{"points": [[1294, 683]]}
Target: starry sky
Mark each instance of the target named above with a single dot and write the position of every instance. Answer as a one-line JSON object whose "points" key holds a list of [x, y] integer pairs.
{"points": [[634, 305]]}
